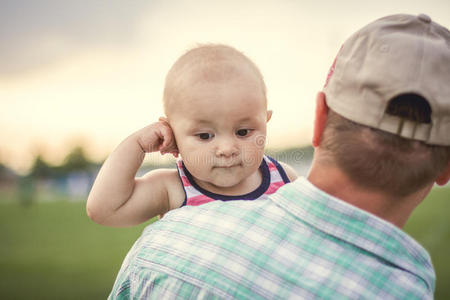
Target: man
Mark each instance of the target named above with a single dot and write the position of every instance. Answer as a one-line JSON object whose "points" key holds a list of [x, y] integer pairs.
{"points": [[381, 141]]}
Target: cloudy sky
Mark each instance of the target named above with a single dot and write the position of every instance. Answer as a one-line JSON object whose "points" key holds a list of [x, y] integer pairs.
{"points": [[92, 72]]}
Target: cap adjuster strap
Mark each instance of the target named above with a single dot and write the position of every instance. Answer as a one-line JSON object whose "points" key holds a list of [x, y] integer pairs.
{"points": [[405, 128]]}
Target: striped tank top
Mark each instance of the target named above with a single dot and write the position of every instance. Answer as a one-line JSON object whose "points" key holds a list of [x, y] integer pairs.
{"points": [[273, 177]]}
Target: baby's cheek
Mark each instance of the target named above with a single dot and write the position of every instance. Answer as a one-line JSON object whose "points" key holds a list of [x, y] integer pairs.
{"points": [[259, 141], [251, 156], [196, 157]]}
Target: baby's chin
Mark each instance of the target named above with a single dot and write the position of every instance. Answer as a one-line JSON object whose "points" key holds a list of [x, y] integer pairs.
{"points": [[226, 182], [225, 177], [222, 181]]}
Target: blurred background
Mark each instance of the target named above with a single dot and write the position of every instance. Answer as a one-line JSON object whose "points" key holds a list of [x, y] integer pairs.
{"points": [[77, 77]]}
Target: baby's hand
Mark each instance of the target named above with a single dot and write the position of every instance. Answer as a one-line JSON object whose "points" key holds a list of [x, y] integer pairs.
{"points": [[158, 137]]}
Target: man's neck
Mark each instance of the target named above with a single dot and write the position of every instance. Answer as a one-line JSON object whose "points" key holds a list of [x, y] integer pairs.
{"points": [[333, 181]]}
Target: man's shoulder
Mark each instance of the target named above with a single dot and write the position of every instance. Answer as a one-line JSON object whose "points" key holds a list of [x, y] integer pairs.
{"points": [[267, 248]]}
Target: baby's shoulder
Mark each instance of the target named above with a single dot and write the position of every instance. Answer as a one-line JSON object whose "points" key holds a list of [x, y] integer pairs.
{"points": [[290, 171], [174, 187]]}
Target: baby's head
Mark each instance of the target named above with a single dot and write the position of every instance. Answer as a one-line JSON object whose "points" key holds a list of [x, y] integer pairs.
{"points": [[215, 102], [209, 62]]}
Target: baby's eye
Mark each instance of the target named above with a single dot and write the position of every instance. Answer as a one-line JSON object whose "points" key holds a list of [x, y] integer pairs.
{"points": [[243, 132], [205, 136]]}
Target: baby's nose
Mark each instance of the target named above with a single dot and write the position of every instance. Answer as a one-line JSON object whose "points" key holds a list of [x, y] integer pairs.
{"points": [[227, 148]]}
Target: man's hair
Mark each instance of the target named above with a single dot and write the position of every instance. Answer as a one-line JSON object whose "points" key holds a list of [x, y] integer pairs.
{"points": [[210, 62], [379, 160]]}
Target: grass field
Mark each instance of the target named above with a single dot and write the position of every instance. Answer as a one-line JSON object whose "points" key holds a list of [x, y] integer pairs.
{"points": [[51, 250]]}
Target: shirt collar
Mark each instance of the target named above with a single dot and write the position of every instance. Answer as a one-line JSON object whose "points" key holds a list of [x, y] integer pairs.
{"points": [[355, 226]]}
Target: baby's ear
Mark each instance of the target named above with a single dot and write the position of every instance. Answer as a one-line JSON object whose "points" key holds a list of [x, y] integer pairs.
{"points": [[269, 115]]}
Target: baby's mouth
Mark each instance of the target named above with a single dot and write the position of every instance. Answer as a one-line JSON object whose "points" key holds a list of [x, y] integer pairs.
{"points": [[227, 166]]}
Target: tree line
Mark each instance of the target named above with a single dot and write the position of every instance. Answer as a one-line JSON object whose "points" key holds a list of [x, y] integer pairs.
{"points": [[76, 160]]}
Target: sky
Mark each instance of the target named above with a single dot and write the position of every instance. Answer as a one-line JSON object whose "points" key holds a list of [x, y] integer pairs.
{"points": [[90, 73]]}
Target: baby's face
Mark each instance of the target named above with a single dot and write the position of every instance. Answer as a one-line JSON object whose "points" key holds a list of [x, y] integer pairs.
{"points": [[220, 129]]}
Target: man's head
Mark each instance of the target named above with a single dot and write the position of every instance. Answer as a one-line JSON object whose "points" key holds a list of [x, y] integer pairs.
{"points": [[388, 91]]}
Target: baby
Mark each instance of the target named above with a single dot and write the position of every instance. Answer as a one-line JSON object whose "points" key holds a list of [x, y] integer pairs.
{"points": [[216, 114]]}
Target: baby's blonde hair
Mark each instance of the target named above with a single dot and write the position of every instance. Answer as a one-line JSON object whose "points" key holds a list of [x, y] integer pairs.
{"points": [[210, 62]]}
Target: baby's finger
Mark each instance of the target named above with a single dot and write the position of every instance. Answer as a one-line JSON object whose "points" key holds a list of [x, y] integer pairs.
{"points": [[163, 119], [172, 149], [167, 137], [168, 141]]}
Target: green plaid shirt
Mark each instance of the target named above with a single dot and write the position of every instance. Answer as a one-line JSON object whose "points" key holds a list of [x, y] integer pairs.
{"points": [[298, 243]]}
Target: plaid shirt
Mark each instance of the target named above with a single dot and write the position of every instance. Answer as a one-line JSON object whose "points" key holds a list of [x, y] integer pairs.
{"points": [[297, 243]]}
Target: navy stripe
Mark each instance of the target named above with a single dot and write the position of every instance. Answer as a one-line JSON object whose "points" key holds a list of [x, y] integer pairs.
{"points": [[280, 169]]}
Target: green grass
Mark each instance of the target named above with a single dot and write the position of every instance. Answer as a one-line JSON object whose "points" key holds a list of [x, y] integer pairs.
{"points": [[430, 226], [51, 250]]}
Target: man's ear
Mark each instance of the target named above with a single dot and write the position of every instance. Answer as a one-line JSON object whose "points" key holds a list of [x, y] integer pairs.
{"points": [[444, 177], [269, 115], [320, 118]]}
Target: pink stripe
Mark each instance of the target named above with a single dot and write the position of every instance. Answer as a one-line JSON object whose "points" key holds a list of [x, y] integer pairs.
{"points": [[274, 186], [272, 166], [185, 181], [198, 200]]}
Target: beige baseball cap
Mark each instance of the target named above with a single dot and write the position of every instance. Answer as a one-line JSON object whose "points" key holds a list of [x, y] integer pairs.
{"points": [[392, 56]]}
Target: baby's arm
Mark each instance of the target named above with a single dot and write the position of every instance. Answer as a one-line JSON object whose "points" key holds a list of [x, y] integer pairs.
{"points": [[117, 198]]}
